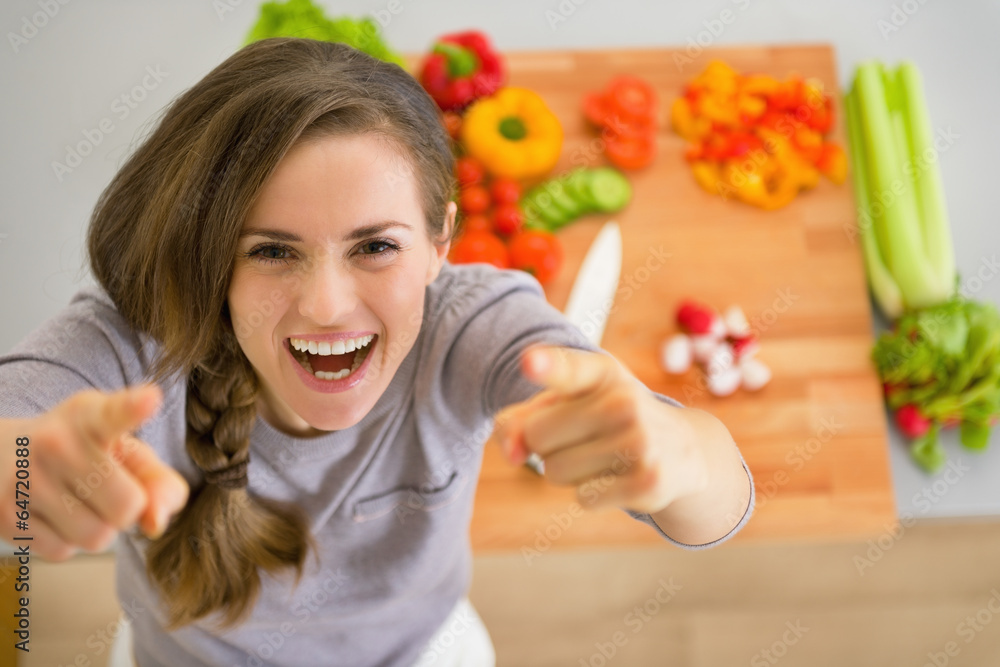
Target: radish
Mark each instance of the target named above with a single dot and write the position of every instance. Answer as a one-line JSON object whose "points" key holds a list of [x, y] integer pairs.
{"points": [[704, 346], [676, 354], [755, 373], [696, 318], [717, 329], [745, 347], [724, 382], [911, 422], [721, 358], [736, 322], [723, 345]]}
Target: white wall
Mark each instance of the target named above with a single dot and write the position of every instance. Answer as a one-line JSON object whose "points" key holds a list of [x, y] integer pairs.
{"points": [[72, 74]]}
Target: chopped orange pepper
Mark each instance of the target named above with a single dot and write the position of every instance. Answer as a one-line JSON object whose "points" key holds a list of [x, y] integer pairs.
{"points": [[833, 162], [756, 138], [706, 174]]}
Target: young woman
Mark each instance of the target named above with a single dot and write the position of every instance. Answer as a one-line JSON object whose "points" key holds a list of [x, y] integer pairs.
{"points": [[280, 374]]}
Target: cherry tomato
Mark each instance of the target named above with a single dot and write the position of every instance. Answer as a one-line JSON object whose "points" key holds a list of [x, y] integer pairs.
{"points": [[477, 222], [505, 191], [474, 199], [469, 171], [508, 219], [480, 247], [538, 252]]}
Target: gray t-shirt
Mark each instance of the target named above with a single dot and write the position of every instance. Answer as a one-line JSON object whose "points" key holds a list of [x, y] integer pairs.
{"points": [[389, 499]]}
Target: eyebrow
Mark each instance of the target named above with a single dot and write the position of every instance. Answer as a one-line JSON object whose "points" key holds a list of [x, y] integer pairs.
{"points": [[356, 234]]}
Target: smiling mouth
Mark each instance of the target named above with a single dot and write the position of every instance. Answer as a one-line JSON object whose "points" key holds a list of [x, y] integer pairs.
{"points": [[333, 366]]}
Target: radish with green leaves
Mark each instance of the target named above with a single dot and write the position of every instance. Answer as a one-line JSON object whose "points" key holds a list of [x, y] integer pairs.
{"points": [[941, 366]]}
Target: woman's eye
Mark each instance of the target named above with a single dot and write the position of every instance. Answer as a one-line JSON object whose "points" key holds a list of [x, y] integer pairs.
{"points": [[380, 246], [266, 253]]}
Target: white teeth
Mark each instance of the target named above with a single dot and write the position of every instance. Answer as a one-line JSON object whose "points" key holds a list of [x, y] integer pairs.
{"points": [[358, 359], [334, 347], [302, 346], [323, 375]]}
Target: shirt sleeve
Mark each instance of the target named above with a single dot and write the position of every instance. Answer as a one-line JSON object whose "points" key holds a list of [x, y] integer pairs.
{"points": [[503, 313], [86, 345], [509, 315]]}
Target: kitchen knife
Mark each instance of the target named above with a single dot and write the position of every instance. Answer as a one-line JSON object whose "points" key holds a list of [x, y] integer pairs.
{"points": [[593, 292], [592, 295]]}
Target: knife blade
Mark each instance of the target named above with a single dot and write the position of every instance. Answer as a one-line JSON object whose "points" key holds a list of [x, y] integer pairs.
{"points": [[593, 291], [592, 295]]}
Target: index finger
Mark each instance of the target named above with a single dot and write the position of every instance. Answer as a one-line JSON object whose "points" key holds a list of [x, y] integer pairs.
{"points": [[167, 491], [567, 370], [107, 417]]}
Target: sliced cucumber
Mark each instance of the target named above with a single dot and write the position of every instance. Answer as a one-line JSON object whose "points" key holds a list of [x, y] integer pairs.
{"points": [[541, 205], [609, 189], [577, 186], [562, 200]]}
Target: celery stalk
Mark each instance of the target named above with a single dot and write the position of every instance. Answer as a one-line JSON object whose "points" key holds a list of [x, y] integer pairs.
{"points": [[898, 227], [926, 177], [883, 287]]}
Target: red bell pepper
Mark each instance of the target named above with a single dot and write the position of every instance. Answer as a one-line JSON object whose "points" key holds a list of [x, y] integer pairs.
{"points": [[461, 68]]}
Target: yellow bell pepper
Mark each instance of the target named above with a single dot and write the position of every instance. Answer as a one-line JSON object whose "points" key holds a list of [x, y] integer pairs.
{"points": [[513, 133]]}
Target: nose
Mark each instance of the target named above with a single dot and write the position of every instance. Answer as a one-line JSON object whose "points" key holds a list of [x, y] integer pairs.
{"points": [[327, 294]]}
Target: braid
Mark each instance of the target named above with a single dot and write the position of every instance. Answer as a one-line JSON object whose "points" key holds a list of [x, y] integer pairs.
{"points": [[221, 407], [208, 558]]}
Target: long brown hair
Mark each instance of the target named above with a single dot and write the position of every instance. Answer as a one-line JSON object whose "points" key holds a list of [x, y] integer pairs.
{"points": [[162, 241]]}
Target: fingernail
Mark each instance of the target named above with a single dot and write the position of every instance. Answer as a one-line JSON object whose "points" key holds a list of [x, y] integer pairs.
{"points": [[511, 449], [160, 519], [518, 454], [154, 532], [540, 361]]}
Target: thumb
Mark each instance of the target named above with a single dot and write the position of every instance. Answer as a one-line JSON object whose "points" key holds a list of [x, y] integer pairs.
{"points": [[508, 431], [167, 491]]}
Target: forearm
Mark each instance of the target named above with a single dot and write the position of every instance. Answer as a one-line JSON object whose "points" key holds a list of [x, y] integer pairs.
{"points": [[711, 513]]}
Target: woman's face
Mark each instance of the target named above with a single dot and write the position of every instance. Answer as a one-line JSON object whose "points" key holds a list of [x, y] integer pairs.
{"points": [[316, 262]]}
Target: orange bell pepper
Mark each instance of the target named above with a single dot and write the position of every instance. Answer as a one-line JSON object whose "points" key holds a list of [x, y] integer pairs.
{"points": [[755, 138]]}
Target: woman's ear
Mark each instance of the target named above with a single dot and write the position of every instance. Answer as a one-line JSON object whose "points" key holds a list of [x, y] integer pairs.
{"points": [[442, 244]]}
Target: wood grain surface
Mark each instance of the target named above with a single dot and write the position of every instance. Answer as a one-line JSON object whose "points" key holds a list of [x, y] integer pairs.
{"points": [[815, 438]]}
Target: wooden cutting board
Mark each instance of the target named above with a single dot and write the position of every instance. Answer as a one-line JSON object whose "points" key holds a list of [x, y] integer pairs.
{"points": [[815, 438]]}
